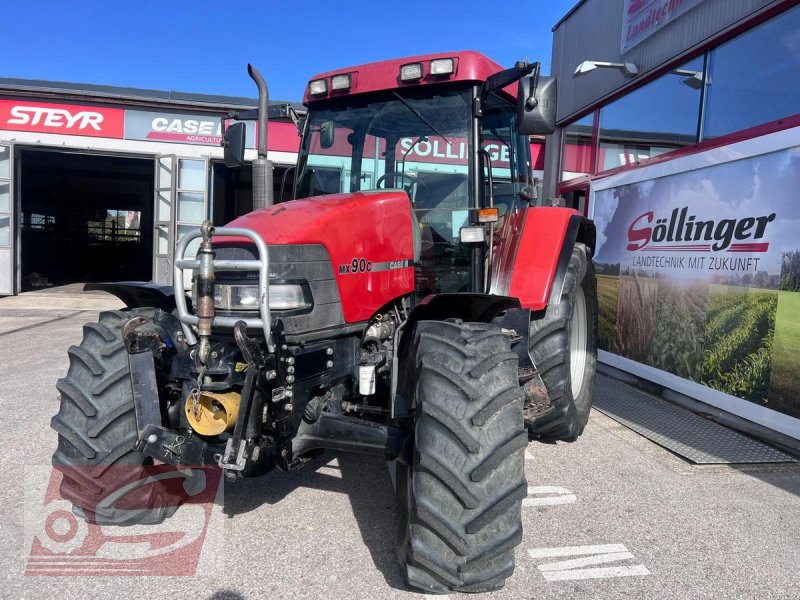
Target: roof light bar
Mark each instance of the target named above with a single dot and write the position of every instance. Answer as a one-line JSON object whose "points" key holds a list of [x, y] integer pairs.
{"points": [[341, 82], [317, 87], [442, 66], [411, 72]]}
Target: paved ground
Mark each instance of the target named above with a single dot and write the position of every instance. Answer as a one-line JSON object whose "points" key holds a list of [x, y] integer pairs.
{"points": [[609, 516]]}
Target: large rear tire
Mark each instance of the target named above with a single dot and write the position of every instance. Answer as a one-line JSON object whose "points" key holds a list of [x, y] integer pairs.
{"points": [[459, 504], [563, 346], [96, 429]]}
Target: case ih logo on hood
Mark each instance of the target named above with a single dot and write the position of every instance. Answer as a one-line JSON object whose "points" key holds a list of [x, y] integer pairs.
{"points": [[66, 119], [682, 232]]}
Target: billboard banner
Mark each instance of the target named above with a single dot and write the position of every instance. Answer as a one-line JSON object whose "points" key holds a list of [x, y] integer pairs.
{"points": [[642, 18], [699, 275]]}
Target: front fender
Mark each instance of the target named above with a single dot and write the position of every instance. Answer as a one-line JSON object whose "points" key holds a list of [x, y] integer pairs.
{"points": [[138, 294]]}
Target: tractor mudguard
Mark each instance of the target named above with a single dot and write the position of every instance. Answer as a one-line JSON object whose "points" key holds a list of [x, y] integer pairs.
{"points": [[138, 294], [531, 257], [468, 307]]}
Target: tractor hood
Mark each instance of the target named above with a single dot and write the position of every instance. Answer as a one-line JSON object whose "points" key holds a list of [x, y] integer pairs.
{"points": [[368, 237]]}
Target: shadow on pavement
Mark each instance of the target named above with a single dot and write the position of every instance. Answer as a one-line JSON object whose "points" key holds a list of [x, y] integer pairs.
{"points": [[366, 482]]}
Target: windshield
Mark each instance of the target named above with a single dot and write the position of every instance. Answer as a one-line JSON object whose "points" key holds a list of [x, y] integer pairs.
{"points": [[400, 140], [417, 140]]}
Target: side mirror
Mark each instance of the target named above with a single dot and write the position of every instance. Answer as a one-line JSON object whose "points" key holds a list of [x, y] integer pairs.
{"points": [[326, 134], [536, 109], [234, 144]]}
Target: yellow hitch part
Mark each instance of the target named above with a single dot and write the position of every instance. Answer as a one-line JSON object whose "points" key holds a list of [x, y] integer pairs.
{"points": [[216, 413]]}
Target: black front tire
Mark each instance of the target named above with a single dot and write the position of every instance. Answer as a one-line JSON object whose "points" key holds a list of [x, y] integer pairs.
{"points": [[96, 429], [459, 504], [569, 326]]}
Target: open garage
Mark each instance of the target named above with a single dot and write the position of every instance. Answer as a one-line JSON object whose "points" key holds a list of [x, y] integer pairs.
{"points": [[84, 217]]}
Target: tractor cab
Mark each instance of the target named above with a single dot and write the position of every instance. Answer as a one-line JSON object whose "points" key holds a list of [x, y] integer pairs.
{"points": [[418, 140], [450, 130]]}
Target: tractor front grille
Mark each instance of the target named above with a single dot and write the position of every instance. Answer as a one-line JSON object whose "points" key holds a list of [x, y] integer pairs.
{"points": [[297, 263]]}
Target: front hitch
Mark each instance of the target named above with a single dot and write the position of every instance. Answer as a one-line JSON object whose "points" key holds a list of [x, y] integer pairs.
{"points": [[234, 458]]}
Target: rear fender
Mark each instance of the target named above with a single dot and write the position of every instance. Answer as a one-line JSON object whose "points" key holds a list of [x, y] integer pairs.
{"points": [[138, 294], [532, 254]]}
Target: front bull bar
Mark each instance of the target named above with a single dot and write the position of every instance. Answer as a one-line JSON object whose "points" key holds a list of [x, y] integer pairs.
{"points": [[187, 319]]}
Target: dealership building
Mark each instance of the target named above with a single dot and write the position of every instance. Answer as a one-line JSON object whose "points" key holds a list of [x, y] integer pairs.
{"points": [[679, 134], [97, 182]]}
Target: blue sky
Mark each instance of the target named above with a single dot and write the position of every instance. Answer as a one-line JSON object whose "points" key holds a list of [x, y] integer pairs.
{"points": [[202, 46]]}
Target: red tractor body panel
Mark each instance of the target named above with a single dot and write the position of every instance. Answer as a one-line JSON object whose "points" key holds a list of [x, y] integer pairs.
{"points": [[385, 75], [368, 236], [527, 249]]}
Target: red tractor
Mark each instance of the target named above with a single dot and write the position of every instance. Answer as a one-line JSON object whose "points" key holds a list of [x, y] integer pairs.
{"points": [[413, 301]]}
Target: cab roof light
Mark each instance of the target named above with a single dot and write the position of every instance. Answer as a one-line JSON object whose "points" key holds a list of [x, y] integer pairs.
{"points": [[488, 215], [411, 72], [341, 82], [317, 87], [442, 66]]}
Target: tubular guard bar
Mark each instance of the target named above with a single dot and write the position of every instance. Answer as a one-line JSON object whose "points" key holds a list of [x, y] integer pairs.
{"points": [[262, 265]]}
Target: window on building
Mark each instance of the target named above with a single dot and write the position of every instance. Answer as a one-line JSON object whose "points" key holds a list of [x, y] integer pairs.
{"points": [[753, 78], [656, 118], [37, 221], [113, 225], [576, 155]]}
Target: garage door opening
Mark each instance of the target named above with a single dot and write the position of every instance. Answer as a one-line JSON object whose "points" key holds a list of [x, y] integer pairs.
{"points": [[84, 218]]}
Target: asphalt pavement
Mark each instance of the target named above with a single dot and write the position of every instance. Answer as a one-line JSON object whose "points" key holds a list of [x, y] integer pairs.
{"points": [[609, 516]]}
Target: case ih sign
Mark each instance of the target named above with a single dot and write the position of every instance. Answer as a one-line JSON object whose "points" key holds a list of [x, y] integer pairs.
{"points": [[642, 18], [173, 127], [65, 119]]}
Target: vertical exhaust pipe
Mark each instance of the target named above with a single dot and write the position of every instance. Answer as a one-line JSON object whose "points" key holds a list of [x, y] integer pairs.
{"points": [[262, 168]]}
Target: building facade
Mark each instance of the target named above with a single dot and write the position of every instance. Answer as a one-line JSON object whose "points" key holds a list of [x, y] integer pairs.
{"points": [[679, 134], [97, 183]]}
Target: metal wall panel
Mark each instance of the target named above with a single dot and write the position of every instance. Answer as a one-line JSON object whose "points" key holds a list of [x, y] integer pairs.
{"points": [[594, 30]]}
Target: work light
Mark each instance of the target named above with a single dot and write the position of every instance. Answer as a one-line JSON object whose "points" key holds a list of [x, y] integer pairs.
{"points": [[411, 72], [317, 87], [442, 66], [341, 82], [472, 234]]}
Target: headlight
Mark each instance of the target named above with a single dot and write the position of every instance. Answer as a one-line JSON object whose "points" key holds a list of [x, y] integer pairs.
{"points": [[286, 297], [245, 297]]}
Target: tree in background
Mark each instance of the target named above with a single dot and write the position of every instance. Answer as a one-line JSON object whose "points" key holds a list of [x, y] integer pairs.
{"points": [[790, 271]]}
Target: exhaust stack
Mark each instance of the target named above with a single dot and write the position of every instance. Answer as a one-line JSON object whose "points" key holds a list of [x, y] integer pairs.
{"points": [[262, 168]]}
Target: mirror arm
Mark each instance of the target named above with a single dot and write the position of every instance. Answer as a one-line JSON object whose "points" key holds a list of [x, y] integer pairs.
{"points": [[507, 77], [531, 101]]}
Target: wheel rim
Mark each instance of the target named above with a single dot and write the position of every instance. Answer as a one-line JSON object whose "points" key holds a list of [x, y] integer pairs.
{"points": [[577, 342]]}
